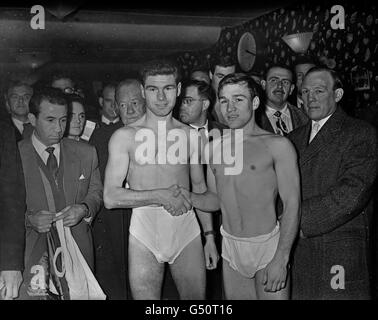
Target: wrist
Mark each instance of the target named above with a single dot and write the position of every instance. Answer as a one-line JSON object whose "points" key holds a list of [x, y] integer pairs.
{"points": [[87, 213], [209, 234]]}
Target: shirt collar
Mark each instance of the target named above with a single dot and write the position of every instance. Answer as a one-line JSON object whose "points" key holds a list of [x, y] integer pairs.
{"points": [[107, 121], [321, 122], [40, 147], [270, 111], [206, 126], [19, 124]]}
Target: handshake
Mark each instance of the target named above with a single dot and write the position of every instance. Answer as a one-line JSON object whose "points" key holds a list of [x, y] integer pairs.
{"points": [[176, 200]]}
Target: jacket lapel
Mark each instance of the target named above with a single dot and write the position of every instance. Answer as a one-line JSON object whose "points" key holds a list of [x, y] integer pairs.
{"points": [[323, 138], [71, 167]]}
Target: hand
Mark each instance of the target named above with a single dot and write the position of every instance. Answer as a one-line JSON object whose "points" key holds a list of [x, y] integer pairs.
{"points": [[174, 202], [41, 221], [211, 253], [10, 282], [72, 215], [275, 274]]}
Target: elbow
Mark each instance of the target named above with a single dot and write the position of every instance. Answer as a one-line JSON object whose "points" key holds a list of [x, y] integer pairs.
{"points": [[109, 203]]}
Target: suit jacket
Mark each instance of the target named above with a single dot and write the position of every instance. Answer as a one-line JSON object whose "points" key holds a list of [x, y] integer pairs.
{"points": [[338, 169], [12, 202], [298, 118], [78, 159], [110, 230]]}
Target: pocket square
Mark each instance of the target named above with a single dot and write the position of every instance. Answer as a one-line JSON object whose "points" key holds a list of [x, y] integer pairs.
{"points": [[82, 177]]}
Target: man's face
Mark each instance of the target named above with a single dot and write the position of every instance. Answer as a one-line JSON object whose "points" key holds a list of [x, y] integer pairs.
{"points": [[192, 106], [200, 76], [77, 120], [318, 95], [219, 74], [51, 122], [278, 86], [107, 102], [130, 103], [236, 105], [18, 100], [300, 71], [161, 92], [63, 83]]}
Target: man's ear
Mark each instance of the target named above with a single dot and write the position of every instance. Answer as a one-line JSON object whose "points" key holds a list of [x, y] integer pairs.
{"points": [[210, 75], [101, 101], [178, 89], [142, 91], [339, 94], [255, 102], [291, 89], [263, 84], [205, 105], [32, 119]]}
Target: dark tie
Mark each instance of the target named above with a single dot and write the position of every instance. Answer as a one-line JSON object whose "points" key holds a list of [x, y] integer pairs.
{"points": [[28, 130], [52, 164], [280, 124]]}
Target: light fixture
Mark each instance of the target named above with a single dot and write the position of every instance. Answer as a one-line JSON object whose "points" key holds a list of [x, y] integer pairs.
{"points": [[33, 60], [298, 42]]}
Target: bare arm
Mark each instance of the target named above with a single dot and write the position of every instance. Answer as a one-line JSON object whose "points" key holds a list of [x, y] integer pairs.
{"points": [[285, 163], [115, 196]]}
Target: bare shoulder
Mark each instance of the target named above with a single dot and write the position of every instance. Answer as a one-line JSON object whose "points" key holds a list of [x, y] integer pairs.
{"points": [[180, 125], [279, 146], [123, 136]]}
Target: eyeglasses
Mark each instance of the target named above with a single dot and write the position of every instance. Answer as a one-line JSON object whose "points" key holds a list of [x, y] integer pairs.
{"points": [[70, 90], [189, 100], [276, 81], [16, 97]]}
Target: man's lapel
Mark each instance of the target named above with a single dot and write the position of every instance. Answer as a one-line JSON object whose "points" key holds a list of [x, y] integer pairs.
{"points": [[324, 138], [265, 123], [71, 167]]}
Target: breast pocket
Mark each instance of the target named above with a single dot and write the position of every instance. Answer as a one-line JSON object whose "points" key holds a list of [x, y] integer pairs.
{"points": [[82, 189]]}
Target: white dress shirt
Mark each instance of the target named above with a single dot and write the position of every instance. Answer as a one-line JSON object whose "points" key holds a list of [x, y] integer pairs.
{"points": [[19, 124], [41, 149], [321, 124], [107, 121], [285, 116]]}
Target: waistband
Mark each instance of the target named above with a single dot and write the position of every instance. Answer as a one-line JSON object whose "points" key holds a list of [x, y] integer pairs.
{"points": [[155, 209], [260, 238]]}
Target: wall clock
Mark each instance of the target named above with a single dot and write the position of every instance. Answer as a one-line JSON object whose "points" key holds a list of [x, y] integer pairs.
{"points": [[247, 51]]}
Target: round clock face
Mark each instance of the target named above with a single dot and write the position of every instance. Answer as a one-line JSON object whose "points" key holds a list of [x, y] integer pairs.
{"points": [[247, 51]]}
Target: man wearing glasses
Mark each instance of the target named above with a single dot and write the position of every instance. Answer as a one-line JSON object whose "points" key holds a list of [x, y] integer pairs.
{"points": [[279, 116]]}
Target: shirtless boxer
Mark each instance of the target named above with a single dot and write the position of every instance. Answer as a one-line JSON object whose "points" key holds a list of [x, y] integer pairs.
{"points": [[163, 226], [255, 246]]}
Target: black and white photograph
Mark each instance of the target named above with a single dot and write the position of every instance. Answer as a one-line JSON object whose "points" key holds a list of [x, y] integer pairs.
{"points": [[193, 154]]}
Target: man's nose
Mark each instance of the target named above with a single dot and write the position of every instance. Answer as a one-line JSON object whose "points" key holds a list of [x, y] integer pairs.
{"points": [[161, 95], [130, 109], [230, 106]]}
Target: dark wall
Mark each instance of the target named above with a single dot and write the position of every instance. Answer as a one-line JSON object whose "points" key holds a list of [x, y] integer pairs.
{"points": [[346, 50]]}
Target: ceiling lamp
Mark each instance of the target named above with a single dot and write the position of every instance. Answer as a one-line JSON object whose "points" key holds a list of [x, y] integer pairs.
{"points": [[33, 60], [298, 42]]}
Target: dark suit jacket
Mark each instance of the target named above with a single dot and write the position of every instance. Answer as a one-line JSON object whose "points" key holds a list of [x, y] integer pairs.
{"points": [[338, 169], [298, 118], [79, 159], [110, 230], [12, 202]]}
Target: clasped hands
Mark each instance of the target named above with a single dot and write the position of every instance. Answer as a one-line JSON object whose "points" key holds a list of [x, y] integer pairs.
{"points": [[43, 220], [176, 200]]}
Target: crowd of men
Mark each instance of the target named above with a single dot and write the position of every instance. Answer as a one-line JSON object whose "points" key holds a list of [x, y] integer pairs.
{"points": [[290, 217]]}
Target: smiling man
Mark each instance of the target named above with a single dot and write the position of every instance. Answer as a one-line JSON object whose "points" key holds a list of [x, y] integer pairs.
{"points": [[163, 227], [278, 115], [256, 247]]}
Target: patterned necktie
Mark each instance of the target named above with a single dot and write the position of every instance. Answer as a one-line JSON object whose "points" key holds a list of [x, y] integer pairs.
{"points": [[314, 131], [280, 124], [52, 163], [28, 130]]}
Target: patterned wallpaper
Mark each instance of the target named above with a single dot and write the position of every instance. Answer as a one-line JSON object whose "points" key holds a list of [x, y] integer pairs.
{"points": [[351, 49]]}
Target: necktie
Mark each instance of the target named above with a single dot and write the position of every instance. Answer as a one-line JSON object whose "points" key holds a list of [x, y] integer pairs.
{"points": [[314, 131], [202, 133], [280, 124], [52, 164], [28, 130]]}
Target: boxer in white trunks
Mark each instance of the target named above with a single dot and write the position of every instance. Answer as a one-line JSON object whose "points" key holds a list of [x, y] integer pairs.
{"points": [[163, 226], [255, 246]]}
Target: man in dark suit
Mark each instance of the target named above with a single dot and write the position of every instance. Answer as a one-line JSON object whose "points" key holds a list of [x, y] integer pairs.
{"points": [[108, 112], [17, 104], [61, 175], [197, 100], [12, 214], [110, 228], [338, 165], [278, 115]]}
